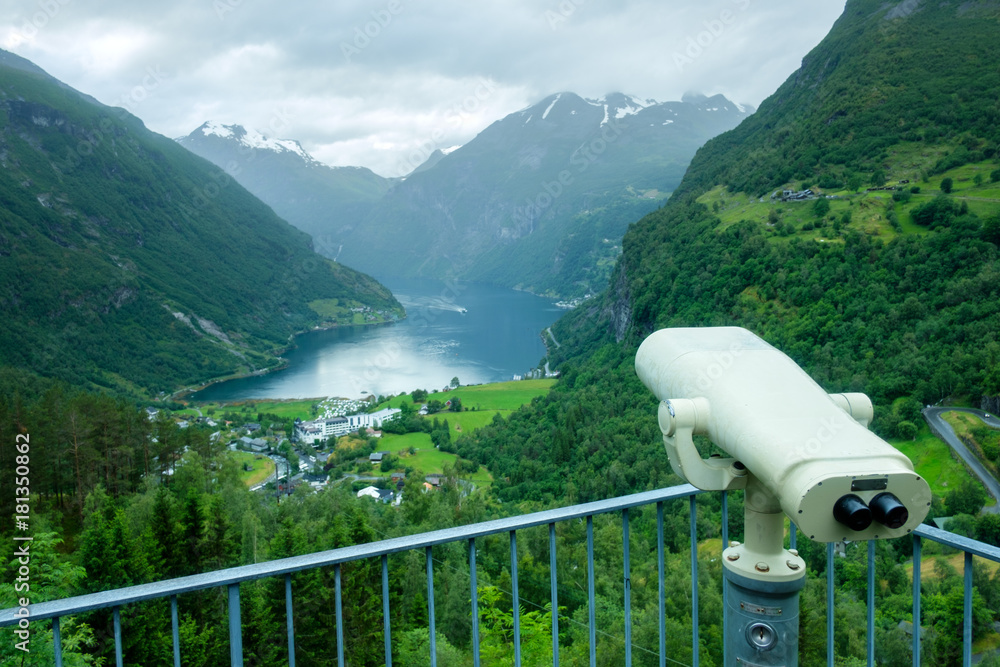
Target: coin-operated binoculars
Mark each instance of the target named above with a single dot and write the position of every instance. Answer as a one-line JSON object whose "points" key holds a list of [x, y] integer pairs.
{"points": [[796, 450]]}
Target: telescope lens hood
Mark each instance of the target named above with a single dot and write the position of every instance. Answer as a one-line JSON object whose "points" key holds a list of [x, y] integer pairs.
{"points": [[851, 511], [887, 510]]}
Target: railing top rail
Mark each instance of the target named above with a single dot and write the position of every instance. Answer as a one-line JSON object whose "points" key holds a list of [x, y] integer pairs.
{"points": [[958, 542], [234, 575]]}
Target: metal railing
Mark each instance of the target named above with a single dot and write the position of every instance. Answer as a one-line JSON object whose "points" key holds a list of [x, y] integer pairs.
{"points": [[232, 578]]}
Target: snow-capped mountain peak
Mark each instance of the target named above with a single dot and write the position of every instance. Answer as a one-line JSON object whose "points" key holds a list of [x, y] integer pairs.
{"points": [[253, 139]]}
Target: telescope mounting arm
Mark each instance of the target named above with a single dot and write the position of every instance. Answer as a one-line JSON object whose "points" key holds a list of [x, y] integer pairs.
{"points": [[680, 419]]}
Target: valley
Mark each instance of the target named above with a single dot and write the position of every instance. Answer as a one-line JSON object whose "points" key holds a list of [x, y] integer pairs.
{"points": [[538, 201], [852, 221]]}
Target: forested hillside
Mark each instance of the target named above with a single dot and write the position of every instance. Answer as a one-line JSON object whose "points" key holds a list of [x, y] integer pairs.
{"points": [[128, 263], [894, 292], [886, 280]]}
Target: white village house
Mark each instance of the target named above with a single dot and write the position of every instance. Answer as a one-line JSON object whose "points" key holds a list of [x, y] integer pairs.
{"points": [[321, 429]]}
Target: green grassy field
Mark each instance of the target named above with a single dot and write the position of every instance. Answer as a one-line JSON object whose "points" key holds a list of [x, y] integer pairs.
{"points": [[481, 402], [262, 467], [288, 409], [425, 457], [496, 396], [933, 460], [867, 209]]}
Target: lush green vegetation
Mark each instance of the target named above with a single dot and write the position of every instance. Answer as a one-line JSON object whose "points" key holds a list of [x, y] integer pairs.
{"points": [[425, 445], [494, 396], [132, 265], [933, 460], [901, 302], [873, 82], [893, 293], [981, 439], [254, 468]]}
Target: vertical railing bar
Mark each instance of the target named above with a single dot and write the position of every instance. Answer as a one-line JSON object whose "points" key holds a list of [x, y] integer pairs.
{"points": [[430, 608], [514, 597], [57, 642], [555, 595], [870, 642], [235, 627], [693, 511], [475, 602], [663, 591], [916, 599], [289, 620], [386, 631], [829, 604], [339, 611], [591, 596], [628, 588], [118, 636], [175, 627], [967, 613], [725, 587]]}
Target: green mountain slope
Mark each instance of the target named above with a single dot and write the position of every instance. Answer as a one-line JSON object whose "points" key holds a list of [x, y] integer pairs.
{"points": [[127, 262], [892, 292]]}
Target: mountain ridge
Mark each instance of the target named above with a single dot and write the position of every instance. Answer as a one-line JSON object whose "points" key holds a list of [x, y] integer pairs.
{"points": [[127, 263], [539, 200], [885, 279]]}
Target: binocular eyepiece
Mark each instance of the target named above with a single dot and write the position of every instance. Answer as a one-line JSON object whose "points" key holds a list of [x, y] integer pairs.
{"points": [[884, 508]]}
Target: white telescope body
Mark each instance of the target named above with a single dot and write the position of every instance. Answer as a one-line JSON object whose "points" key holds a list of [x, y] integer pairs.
{"points": [[800, 443]]}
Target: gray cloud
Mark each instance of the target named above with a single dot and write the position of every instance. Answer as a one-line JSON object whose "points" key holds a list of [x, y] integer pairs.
{"points": [[367, 82]]}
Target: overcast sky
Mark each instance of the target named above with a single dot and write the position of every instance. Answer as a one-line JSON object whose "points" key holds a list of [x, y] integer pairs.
{"points": [[374, 82]]}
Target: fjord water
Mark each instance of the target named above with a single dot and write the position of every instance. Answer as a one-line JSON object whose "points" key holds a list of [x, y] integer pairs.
{"points": [[498, 335]]}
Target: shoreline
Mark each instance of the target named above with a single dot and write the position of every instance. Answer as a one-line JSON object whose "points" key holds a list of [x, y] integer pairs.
{"points": [[183, 394]]}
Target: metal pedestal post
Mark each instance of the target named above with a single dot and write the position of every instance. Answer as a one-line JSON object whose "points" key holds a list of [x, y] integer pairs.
{"points": [[762, 581]]}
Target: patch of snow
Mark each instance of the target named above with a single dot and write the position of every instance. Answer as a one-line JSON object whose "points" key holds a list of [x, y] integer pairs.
{"points": [[218, 129], [668, 122], [449, 151], [529, 120], [545, 115], [605, 121], [255, 139], [629, 109], [599, 102], [740, 107]]}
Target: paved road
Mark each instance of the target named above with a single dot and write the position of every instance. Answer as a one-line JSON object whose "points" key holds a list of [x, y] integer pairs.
{"points": [[944, 431]]}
